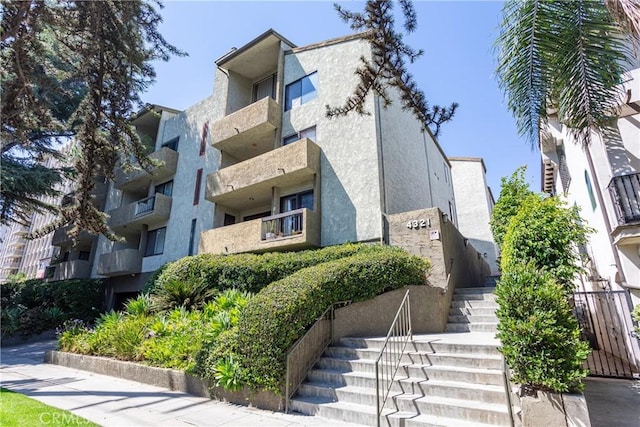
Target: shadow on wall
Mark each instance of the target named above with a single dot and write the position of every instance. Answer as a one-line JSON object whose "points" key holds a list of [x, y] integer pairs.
{"points": [[339, 218]]}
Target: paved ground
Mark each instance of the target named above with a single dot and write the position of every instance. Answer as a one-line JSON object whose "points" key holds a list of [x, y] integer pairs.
{"points": [[112, 401], [613, 402]]}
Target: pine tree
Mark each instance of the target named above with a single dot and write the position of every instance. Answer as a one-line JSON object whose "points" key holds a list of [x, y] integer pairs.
{"points": [[387, 65], [76, 69]]}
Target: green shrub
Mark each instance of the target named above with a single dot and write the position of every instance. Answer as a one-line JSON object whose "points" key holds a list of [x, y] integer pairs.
{"points": [[636, 316], [546, 233], [141, 305], [150, 284], [513, 191], [280, 314], [189, 293], [540, 335], [249, 272], [45, 305]]}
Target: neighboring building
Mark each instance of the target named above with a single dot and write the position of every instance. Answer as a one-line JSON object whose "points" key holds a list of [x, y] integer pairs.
{"points": [[475, 202], [289, 177], [604, 181], [12, 249], [159, 215]]}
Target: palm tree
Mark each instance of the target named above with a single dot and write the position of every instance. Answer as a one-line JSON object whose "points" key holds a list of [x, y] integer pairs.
{"points": [[566, 56]]}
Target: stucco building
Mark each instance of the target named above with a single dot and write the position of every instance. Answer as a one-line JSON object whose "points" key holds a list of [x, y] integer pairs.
{"points": [[288, 176], [603, 179], [475, 202]]}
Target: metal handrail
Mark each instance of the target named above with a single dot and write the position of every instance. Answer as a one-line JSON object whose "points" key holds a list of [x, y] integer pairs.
{"points": [[507, 388], [391, 354], [312, 345]]}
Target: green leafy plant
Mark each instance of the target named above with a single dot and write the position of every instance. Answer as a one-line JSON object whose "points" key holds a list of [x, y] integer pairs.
{"points": [[190, 294], [512, 192], [55, 315], [636, 316], [546, 233], [229, 374], [141, 305], [539, 334]]}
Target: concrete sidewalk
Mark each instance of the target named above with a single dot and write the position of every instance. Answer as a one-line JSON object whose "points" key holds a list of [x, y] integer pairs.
{"points": [[112, 401]]}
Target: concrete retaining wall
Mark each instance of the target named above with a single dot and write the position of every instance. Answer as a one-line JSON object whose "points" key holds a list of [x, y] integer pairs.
{"points": [[165, 378]]}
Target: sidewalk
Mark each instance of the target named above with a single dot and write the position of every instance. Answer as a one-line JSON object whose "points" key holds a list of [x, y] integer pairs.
{"points": [[112, 401]]}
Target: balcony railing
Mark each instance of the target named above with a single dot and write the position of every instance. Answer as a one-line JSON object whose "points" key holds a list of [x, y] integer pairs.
{"points": [[293, 230], [283, 225], [625, 193], [119, 262], [144, 206], [151, 211]]}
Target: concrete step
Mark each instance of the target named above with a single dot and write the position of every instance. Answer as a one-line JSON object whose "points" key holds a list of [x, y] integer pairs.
{"points": [[487, 361], [472, 318], [477, 343], [475, 290], [472, 327], [442, 412], [493, 394], [408, 379], [474, 297], [480, 303], [472, 311]]}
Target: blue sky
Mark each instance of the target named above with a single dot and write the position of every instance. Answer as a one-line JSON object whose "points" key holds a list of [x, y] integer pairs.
{"points": [[458, 65]]}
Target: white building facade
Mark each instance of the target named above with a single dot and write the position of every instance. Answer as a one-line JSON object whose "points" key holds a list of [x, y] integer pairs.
{"points": [[604, 181]]}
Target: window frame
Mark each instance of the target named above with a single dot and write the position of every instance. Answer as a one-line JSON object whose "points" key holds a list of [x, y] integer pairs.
{"points": [[299, 135], [198, 187], [152, 237], [298, 86]]}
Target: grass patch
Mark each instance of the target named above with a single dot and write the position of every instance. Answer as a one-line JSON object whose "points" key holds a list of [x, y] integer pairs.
{"points": [[19, 410]]}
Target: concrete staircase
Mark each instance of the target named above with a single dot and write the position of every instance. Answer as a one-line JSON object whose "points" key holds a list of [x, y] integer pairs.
{"points": [[449, 379]]}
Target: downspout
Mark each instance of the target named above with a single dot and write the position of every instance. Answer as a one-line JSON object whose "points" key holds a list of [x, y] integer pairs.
{"points": [[605, 214], [382, 184]]}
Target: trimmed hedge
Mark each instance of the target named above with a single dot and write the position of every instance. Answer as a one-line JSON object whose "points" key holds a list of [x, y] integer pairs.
{"points": [[248, 272], [281, 313], [540, 335], [547, 233]]}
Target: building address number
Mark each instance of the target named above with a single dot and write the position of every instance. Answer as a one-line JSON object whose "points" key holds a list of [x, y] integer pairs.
{"points": [[417, 224]]}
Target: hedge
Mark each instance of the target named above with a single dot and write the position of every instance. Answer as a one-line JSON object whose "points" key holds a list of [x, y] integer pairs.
{"points": [[248, 272], [281, 313], [540, 335], [33, 306]]}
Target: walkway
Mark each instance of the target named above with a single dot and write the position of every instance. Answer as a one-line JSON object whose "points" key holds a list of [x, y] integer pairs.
{"points": [[112, 401]]}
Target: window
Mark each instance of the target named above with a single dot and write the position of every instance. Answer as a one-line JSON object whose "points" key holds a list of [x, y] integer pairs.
{"points": [[301, 91], [166, 188], [203, 141], [265, 88], [155, 242], [306, 133], [297, 201], [196, 194], [172, 145], [587, 180], [229, 219], [192, 236], [256, 216]]}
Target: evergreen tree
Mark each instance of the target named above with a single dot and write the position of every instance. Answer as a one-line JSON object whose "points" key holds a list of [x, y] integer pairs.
{"points": [[387, 65], [75, 69]]}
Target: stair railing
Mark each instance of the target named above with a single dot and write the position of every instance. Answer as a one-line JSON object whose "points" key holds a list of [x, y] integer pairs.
{"points": [[388, 360], [308, 349], [506, 377]]}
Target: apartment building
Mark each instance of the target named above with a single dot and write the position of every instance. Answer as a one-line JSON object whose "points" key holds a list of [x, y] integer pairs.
{"points": [[38, 257], [475, 202], [288, 176], [159, 214], [604, 181]]}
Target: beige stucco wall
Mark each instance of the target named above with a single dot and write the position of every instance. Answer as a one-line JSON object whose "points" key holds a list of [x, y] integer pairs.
{"points": [[349, 180], [474, 204], [454, 264]]}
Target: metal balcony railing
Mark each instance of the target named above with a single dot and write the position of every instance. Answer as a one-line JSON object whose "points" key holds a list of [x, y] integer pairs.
{"points": [[283, 225], [625, 193], [145, 206]]}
